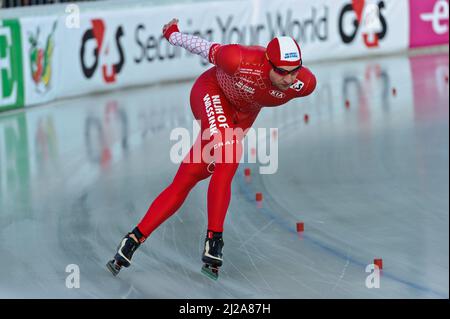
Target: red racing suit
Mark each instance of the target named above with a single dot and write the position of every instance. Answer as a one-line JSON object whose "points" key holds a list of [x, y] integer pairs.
{"points": [[227, 96]]}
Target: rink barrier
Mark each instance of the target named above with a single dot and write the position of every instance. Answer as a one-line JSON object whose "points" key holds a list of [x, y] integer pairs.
{"points": [[75, 53]]}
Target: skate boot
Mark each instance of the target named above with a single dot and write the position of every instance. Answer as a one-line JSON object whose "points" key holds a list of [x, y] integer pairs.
{"points": [[125, 251], [212, 254]]}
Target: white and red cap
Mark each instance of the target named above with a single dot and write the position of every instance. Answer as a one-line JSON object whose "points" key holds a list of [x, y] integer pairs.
{"points": [[284, 51]]}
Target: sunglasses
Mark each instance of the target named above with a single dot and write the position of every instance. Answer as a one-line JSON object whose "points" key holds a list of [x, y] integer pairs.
{"points": [[282, 71]]}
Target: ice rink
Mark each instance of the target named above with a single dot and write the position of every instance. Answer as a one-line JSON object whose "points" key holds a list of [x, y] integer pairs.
{"points": [[369, 179]]}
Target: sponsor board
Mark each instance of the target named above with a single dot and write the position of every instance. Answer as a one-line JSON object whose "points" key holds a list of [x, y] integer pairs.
{"points": [[41, 43]]}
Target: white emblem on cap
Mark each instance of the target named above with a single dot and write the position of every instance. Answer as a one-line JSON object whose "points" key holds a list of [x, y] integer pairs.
{"points": [[288, 49]]}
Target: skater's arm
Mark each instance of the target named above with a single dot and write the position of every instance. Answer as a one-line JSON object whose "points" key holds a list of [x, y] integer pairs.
{"points": [[227, 57], [307, 82], [192, 43]]}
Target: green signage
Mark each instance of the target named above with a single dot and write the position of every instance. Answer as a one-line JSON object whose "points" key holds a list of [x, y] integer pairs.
{"points": [[11, 75]]}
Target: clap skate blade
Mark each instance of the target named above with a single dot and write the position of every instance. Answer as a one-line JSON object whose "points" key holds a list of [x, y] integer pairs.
{"points": [[113, 267], [211, 271]]}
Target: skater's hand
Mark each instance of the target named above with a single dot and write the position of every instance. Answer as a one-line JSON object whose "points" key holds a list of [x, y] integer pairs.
{"points": [[170, 27], [171, 23]]}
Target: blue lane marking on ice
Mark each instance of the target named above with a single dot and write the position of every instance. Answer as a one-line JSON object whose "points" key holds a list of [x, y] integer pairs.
{"points": [[287, 226]]}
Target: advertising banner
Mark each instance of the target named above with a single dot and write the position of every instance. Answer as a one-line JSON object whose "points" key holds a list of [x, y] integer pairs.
{"points": [[428, 22]]}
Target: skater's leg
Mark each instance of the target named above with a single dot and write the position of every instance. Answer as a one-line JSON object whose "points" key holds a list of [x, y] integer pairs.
{"points": [[170, 200], [218, 120], [219, 194]]}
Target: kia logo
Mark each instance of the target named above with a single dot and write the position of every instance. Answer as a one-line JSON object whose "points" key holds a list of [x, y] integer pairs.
{"points": [[277, 94]]}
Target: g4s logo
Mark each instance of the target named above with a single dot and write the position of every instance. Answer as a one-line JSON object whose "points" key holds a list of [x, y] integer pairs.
{"points": [[98, 33], [367, 16]]}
